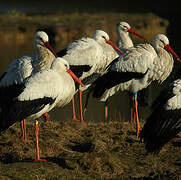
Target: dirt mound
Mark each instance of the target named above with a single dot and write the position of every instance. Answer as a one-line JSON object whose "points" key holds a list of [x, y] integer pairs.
{"points": [[108, 150]]}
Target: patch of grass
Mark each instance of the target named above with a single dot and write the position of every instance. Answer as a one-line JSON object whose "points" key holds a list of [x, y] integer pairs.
{"points": [[108, 150]]}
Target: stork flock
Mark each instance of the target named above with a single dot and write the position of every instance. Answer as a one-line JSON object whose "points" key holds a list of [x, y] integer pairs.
{"points": [[35, 84]]}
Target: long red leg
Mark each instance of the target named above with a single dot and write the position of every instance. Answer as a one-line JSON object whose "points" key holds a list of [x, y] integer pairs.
{"points": [[132, 109], [137, 117], [106, 109], [37, 143], [23, 130], [81, 111], [73, 110]]}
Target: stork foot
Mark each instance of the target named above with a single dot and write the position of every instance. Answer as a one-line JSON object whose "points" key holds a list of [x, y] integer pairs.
{"points": [[40, 160], [84, 123], [75, 119], [23, 138]]}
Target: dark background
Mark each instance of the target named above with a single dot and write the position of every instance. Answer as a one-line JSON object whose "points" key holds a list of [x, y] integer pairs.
{"points": [[166, 9]]}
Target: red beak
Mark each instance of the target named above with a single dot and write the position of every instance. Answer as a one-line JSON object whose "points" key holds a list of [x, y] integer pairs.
{"points": [[169, 49], [47, 44], [132, 31], [76, 78], [114, 46]]}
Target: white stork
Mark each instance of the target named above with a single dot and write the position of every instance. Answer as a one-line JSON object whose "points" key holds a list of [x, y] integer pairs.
{"points": [[88, 59], [24, 66], [38, 94], [136, 69], [165, 121], [124, 42]]}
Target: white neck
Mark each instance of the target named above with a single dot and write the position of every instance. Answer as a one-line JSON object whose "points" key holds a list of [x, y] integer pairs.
{"points": [[44, 58], [124, 41]]}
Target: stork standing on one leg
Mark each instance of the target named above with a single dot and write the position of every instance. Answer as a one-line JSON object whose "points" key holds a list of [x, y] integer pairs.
{"points": [[25, 66], [136, 69], [38, 94], [88, 59], [124, 42]]}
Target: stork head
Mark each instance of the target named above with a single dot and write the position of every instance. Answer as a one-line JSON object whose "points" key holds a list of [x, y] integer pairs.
{"points": [[41, 39], [124, 27], [161, 41], [60, 65], [102, 37]]}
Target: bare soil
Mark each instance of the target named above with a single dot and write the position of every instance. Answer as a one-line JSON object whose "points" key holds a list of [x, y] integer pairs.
{"points": [[104, 150]]}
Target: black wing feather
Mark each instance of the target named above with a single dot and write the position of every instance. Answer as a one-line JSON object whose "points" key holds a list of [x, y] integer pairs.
{"points": [[162, 125], [8, 93], [14, 111], [112, 62], [62, 52], [3, 76], [79, 69], [111, 79]]}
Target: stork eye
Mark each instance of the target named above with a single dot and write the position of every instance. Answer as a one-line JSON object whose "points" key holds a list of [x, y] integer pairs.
{"points": [[104, 37], [41, 39], [66, 66], [162, 41], [123, 27]]}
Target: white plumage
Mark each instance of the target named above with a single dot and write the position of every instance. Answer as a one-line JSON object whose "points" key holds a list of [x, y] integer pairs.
{"points": [[124, 42], [38, 94], [95, 52], [53, 83], [17, 71], [88, 59], [174, 103], [141, 58], [136, 69], [23, 67]]}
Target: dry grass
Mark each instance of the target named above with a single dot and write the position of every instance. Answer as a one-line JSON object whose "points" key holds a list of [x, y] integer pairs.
{"points": [[106, 150], [68, 27]]}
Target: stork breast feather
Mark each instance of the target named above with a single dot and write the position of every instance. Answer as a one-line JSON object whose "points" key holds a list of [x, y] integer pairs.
{"points": [[42, 84], [138, 62]]}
